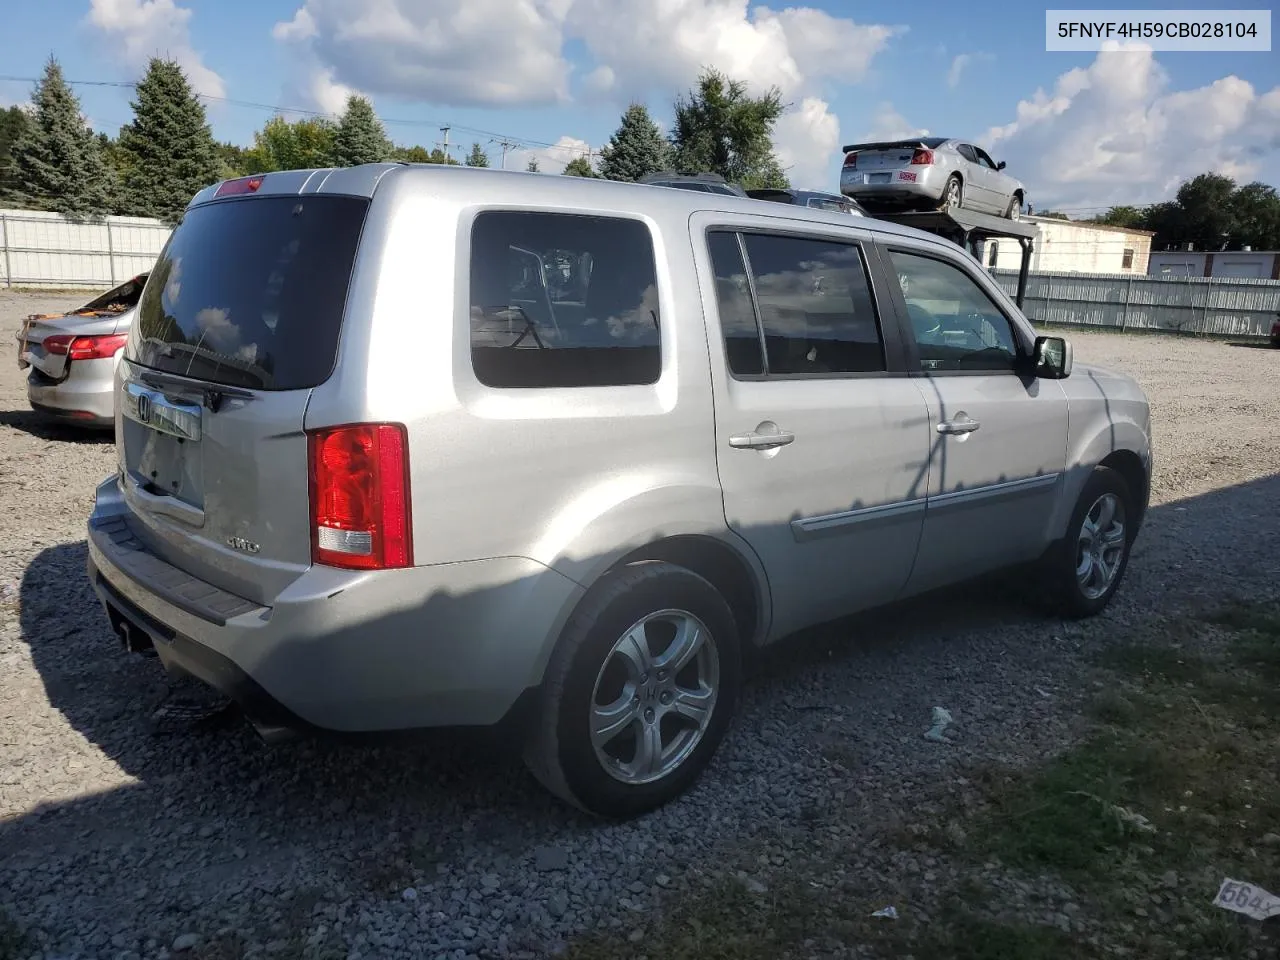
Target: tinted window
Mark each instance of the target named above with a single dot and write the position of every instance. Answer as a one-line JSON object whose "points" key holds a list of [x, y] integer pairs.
{"points": [[559, 300], [733, 301], [251, 292], [984, 158], [967, 152], [815, 306], [956, 325]]}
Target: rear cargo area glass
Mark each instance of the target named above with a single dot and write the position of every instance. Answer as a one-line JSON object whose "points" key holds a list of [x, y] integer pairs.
{"points": [[251, 292]]}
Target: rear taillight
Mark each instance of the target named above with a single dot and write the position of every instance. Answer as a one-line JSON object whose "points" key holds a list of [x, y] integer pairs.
{"points": [[85, 348], [922, 157], [360, 497], [851, 161], [244, 185]]}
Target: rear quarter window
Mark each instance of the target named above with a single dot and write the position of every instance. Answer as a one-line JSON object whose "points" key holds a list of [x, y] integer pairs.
{"points": [[563, 300], [251, 292]]}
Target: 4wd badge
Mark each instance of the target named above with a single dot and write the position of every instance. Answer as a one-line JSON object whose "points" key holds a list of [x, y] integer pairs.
{"points": [[243, 545]]}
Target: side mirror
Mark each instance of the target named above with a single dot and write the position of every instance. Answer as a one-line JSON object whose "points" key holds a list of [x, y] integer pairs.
{"points": [[1052, 358], [1000, 165]]}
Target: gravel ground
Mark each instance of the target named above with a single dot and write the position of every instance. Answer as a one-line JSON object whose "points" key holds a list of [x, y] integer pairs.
{"points": [[118, 841]]}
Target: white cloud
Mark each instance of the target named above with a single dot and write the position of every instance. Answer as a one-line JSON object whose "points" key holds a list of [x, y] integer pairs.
{"points": [[512, 52], [962, 62], [1113, 132], [460, 52], [551, 159], [888, 124], [807, 143], [137, 30]]}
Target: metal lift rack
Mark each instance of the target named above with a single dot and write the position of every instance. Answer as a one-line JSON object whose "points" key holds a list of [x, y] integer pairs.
{"points": [[968, 229]]}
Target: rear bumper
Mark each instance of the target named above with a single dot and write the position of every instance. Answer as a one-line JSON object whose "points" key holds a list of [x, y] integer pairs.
{"points": [[86, 396], [927, 185], [446, 645]]}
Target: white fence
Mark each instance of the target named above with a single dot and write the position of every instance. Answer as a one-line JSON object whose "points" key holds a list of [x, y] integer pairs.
{"points": [[49, 250]]}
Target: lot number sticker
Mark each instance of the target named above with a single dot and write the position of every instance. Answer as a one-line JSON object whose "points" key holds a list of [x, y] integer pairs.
{"points": [[1248, 899]]}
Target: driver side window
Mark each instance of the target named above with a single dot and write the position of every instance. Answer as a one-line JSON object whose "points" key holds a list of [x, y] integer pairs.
{"points": [[955, 324]]}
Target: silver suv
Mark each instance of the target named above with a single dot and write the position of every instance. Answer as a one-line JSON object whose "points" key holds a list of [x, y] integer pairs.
{"points": [[412, 446]]}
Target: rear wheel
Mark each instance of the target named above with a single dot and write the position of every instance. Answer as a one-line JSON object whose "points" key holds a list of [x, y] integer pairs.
{"points": [[1083, 572], [952, 194], [639, 693]]}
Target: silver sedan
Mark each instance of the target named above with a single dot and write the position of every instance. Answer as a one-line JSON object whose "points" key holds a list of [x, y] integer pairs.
{"points": [[932, 172], [72, 357]]}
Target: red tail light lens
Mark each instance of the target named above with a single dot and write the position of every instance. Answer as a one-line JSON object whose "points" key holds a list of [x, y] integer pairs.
{"points": [[360, 497], [922, 157], [851, 161], [244, 185], [85, 348]]}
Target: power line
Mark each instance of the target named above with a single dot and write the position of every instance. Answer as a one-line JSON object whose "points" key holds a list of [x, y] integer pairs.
{"points": [[489, 135]]}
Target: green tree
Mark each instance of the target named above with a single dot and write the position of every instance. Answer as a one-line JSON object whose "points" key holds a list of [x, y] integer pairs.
{"points": [[13, 124], [532, 166], [57, 160], [1122, 216], [235, 161], [1208, 215], [1256, 207], [636, 149], [360, 137], [304, 144], [477, 157], [579, 167], [720, 129], [170, 153]]}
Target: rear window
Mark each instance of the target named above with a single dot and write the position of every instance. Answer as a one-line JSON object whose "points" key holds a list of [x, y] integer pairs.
{"points": [[251, 292], [563, 300]]}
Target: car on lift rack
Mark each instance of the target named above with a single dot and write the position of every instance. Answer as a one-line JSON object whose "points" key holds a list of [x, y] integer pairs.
{"points": [[935, 172]]}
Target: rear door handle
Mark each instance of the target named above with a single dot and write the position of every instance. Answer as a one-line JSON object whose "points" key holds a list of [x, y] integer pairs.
{"points": [[761, 441], [959, 426]]}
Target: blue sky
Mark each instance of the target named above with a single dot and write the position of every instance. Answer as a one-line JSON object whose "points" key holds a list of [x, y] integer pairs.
{"points": [[1082, 129]]}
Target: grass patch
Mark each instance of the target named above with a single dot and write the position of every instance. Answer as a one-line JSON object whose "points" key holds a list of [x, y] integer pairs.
{"points": [[1130, 831]]}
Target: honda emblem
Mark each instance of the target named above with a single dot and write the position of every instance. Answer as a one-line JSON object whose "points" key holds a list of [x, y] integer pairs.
{"points": [[144, 408]]}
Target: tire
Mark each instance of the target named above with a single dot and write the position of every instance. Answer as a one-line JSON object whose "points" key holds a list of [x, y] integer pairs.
{"points": [[607, 777], [1015, 209], [952, 186], [1071, 591]]}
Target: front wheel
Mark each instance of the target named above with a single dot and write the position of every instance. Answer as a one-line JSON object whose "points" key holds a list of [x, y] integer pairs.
{"points": [[1083, 572], [1014, 211], [639, 693]]}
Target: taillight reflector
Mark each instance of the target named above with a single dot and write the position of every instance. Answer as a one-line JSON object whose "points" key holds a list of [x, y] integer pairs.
{"points": [[922, 157], [85, 348], [851, 160], [360, 497], [243, 185]]}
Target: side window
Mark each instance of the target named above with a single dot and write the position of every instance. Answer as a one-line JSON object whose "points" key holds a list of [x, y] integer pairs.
{"points": [[733, 299], [815, 306], [563, 300], [956, 325], [968, 152], [984, 159]]}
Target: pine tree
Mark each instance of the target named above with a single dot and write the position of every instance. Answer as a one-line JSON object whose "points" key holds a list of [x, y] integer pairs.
{"points": [[477, 157], [56, 162], [579, 167], [636, 149], [533, 165], [361, 137], [170, 154]]}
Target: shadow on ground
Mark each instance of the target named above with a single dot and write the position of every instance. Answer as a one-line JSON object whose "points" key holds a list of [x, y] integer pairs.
{"points": [[46, 428]]}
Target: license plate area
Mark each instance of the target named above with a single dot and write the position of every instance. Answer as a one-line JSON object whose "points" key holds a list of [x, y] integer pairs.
{"points": [[878, 177], [162, 444]]}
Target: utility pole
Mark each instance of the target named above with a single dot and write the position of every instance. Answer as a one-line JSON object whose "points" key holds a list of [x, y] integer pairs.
{"points": [[506, 145], [445, 131]]}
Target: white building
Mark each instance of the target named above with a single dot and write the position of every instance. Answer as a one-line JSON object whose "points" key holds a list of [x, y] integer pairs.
{"points": [[1250, 264], [1072, 246]]}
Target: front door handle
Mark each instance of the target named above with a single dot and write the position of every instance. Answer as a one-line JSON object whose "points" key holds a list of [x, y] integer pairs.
{"points": [[958, 427], [761, 441]]}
